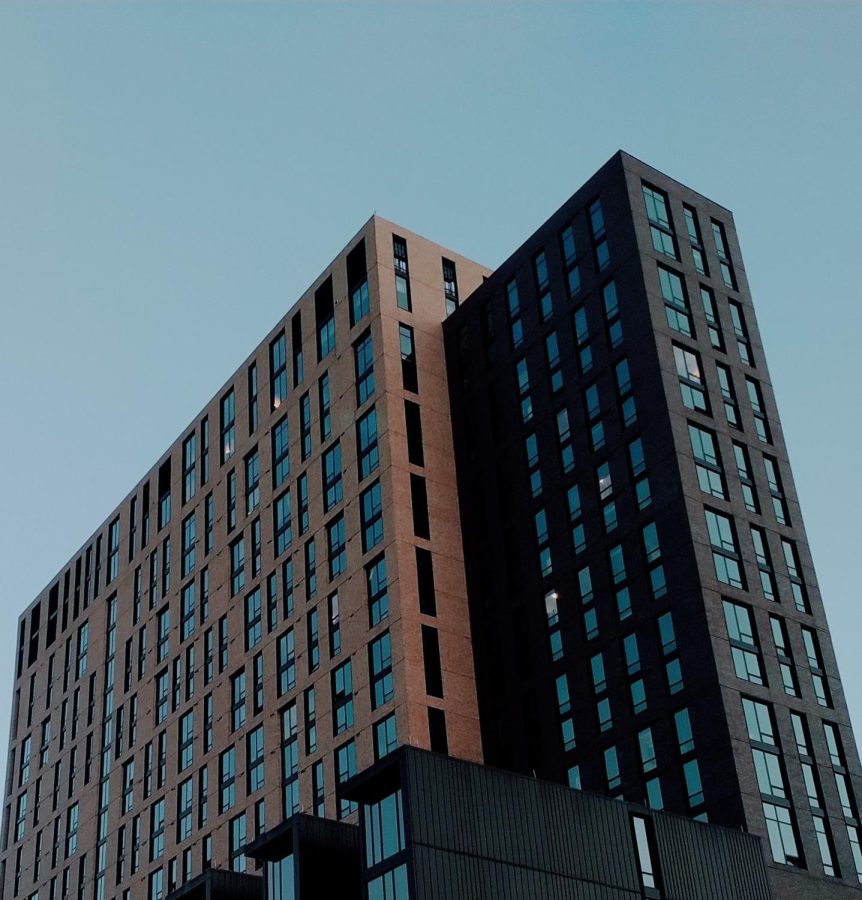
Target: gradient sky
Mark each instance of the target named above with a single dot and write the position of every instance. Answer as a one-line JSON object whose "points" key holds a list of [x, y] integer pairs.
{"points": [[174, 175]]}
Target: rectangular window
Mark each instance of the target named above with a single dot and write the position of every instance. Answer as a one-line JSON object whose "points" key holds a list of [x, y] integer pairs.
{"points": [[312, 631], [357, 283], [413, 422], [310, 569], [304, 426], [228, 425], [324, 317], [280, 452], [755, 397], [725, 265], [324, 404], [433, 667], [402, 273], [378, 598], [692, 384], [409, 371], [286, 663], [337, 545], [367, 452], [253, 415], [746, 478], [513, 303], [380, 657], [237, 700], [282, 529], [692, 226], [342, 698], [661, 226], [278, 371], [764, 563], [363, 353], [254, 760], [237, 566], [744, 645], [253, 620], [334, 626], [419, 500], [113, 549], [713, 324], [450, 286], [371, 510], [252, 482], [289, 761], [675, 297], [331, 471], [728, 393], [794, 573], [776, 490], [231, 500], [710, 472], [725, 550], [785, 656]]}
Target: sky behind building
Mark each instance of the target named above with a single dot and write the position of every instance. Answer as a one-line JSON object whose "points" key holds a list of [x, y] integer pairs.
{"points": [[174, 175]]}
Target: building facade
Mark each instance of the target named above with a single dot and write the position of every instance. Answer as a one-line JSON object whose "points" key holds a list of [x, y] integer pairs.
{"points": [[278, 603], [540, 518], [645, 609]]}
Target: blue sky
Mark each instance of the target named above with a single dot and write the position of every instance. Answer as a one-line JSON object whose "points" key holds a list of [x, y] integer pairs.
{"points": [[174, 175]]}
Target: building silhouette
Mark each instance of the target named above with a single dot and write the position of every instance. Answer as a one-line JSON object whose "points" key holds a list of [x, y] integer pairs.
{"points": [[540, 518]]}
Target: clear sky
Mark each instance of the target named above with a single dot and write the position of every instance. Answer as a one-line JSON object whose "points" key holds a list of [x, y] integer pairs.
{"points": [[174, 175]]}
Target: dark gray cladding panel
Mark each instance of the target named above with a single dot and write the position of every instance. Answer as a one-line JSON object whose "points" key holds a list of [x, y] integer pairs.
{"points": [[477, 832], [700, 863]]}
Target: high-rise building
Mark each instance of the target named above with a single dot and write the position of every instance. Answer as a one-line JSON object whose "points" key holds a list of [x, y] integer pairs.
{"points": [[647, 622], [614, 594]]}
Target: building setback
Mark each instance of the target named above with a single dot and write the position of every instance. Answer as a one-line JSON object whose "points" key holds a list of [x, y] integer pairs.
{"points": [[615, 594]]}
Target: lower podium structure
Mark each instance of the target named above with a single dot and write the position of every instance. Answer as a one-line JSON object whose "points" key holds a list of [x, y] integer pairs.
{"points": [[432, 827]]}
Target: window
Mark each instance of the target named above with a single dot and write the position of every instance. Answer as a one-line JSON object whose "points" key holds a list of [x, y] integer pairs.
{"points": [[450, 286], [252, 482], [419, 502], [289, 761], [364, 364], [540, 271], [345, 768], [337, 546], [746, 479], [568, 250], [644, 845], [252, 399], [227, 779], [725, 551], [283, 531], [186, 741], [724, 263], [371, 507], [237, 840], [728, 393], [367, 453], [691, 380], [280, 452], [755, 397], [385, 737], [794, 573], [185, 800], [513, 304], [304, 426], [378, 598], [324, 317], [310, 569], [231, 500], [254, 756], [710, 473], [781, 829], [815, 663], [380, 656], [157, 829], [323, 397], [384, 832], [692, 226], [237, 700], [713, 325], [744, 646], [286, 662], [601, 253], [237, 566], [253, 620], [523, 378], [402, 274], [228, 425], [113, 550], [409, 371], [776, 490], [764, 563], [785, 656], [278, 371], [331, 469], [342, 698], [676, 306], [737, 317], [163, 630], [661, 227]]}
